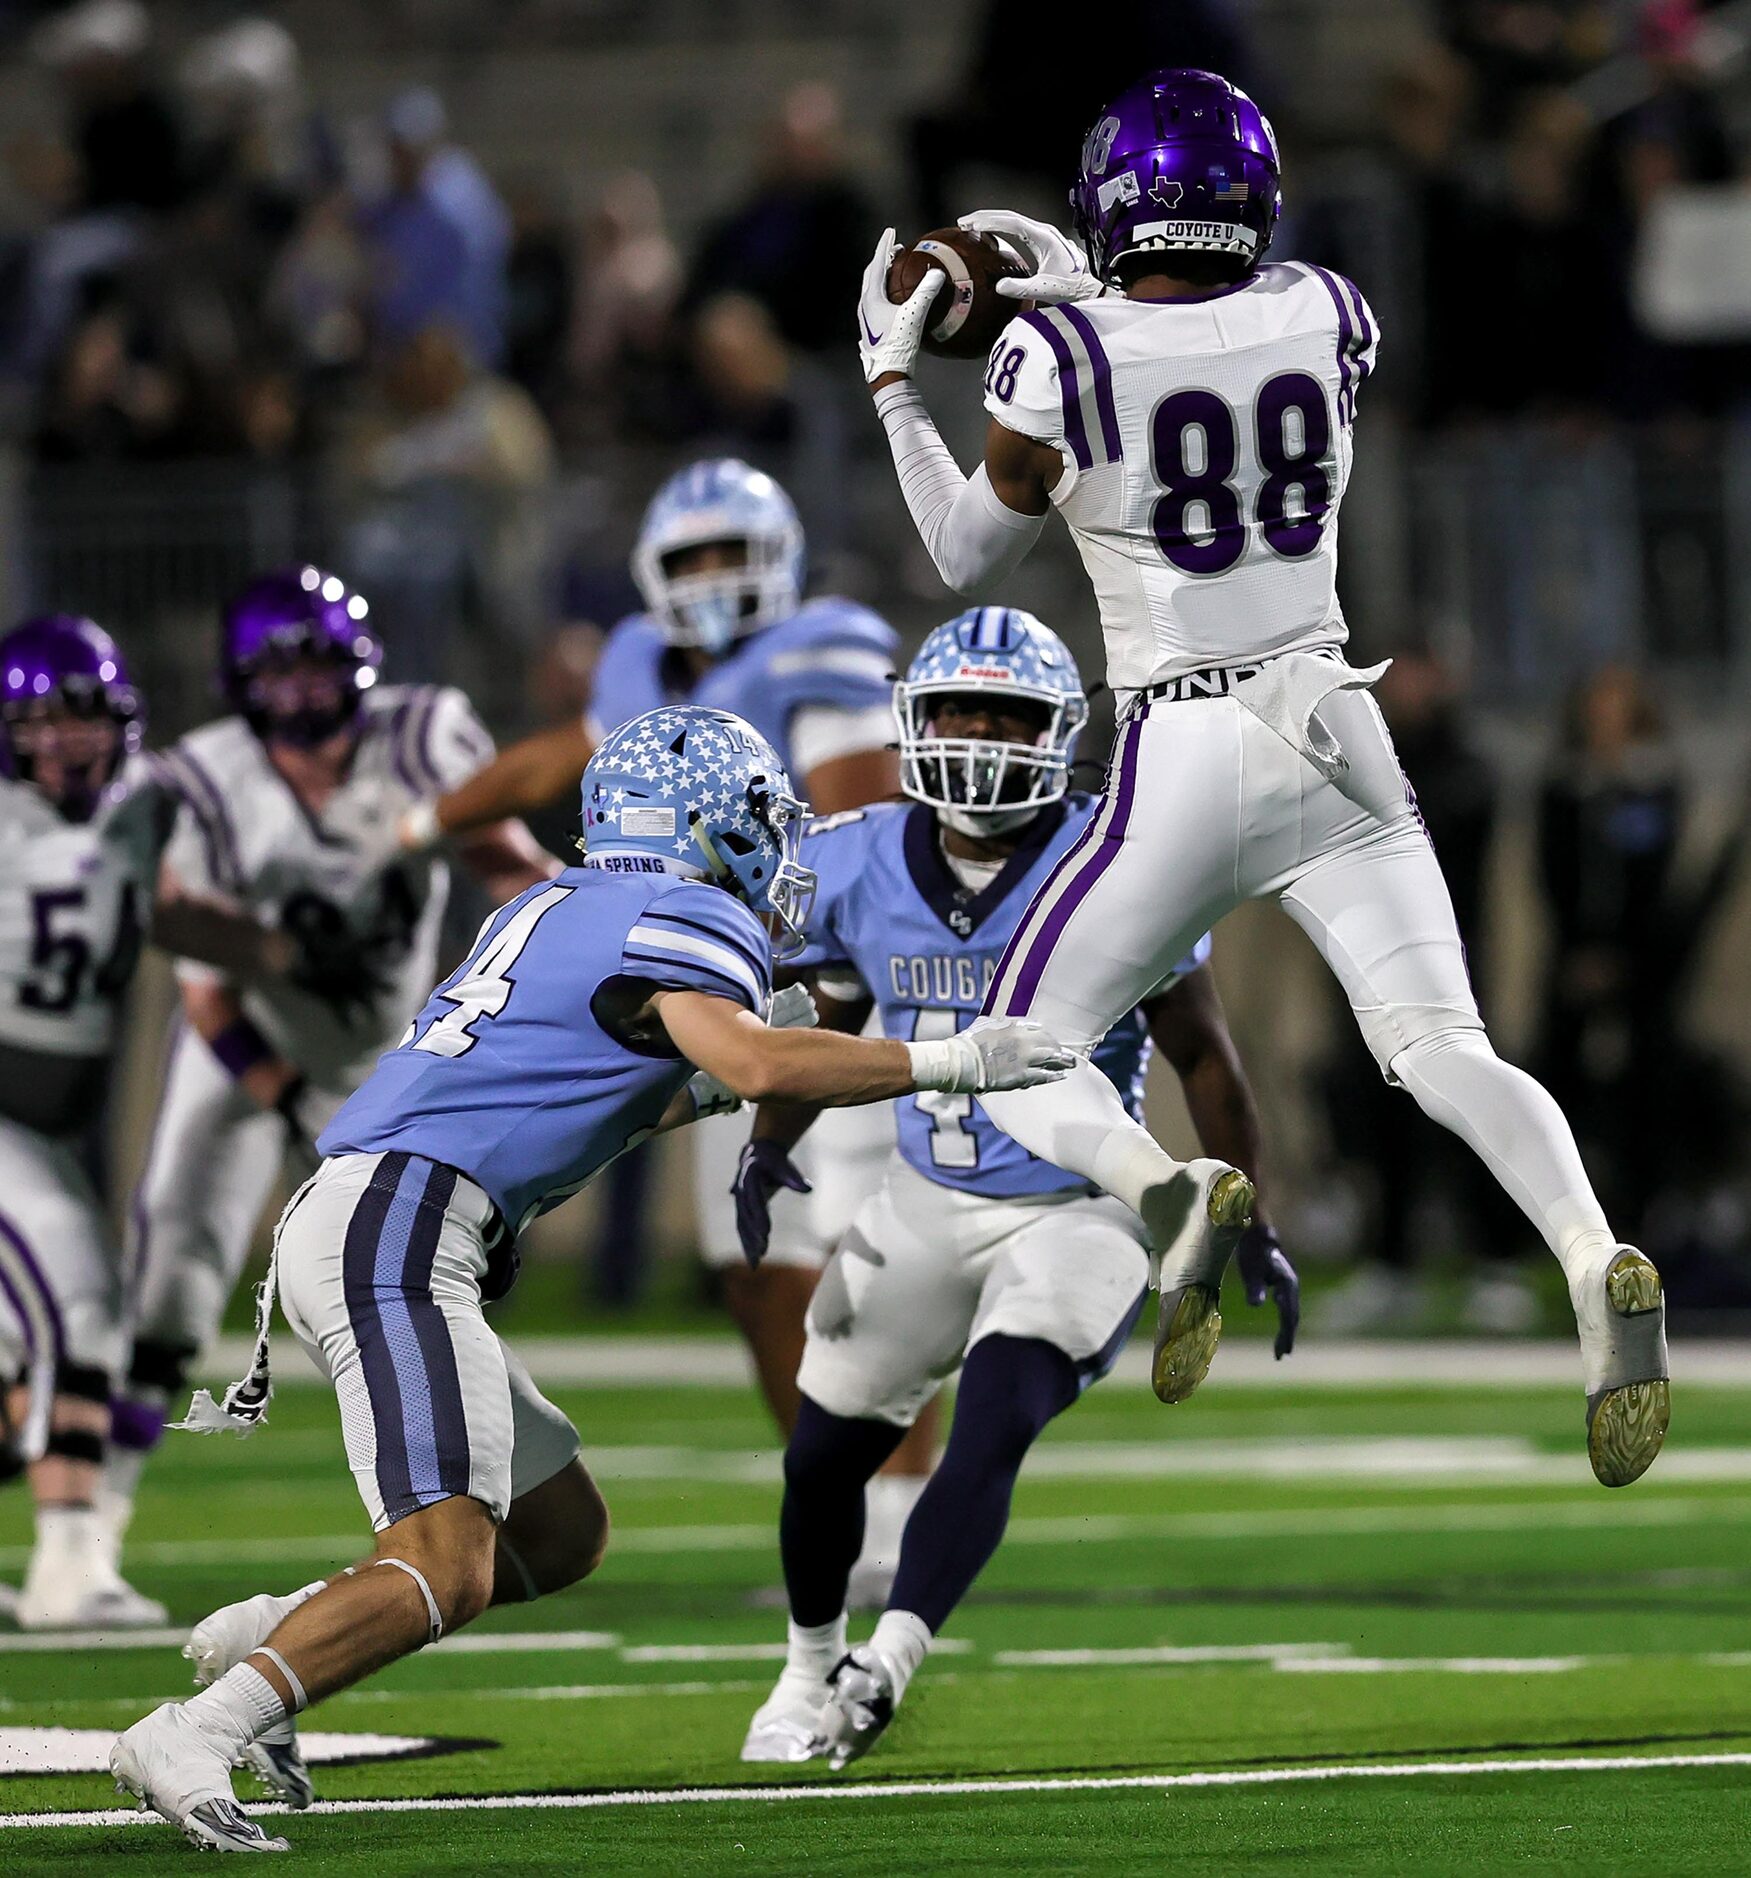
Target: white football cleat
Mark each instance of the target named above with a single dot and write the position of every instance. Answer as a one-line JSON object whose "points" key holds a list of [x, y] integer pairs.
{"points": [[1194, 1221], [1621, 1315], [860, 1704], [226, 1638], [172, 1768], [791, 1724]]}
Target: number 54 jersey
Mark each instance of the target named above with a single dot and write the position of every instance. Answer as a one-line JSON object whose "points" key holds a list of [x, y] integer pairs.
{"points": [[75, 899], [888, 907], [1206, 446]]}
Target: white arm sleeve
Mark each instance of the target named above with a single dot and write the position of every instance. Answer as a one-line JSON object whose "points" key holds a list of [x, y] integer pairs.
{"points": [[972, 537]]}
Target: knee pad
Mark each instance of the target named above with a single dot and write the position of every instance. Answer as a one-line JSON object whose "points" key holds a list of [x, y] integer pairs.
{"points": [[1445, 1040]]}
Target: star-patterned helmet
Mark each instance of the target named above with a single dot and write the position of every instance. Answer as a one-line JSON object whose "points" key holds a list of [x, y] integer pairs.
{"points": [[695, 791], [983, 785], [720, 501]]}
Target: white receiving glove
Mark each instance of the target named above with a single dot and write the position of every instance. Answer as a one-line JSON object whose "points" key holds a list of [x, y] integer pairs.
{"points": [[790, 1009], [888, 336], [1007, 1053], [1060, 268]]}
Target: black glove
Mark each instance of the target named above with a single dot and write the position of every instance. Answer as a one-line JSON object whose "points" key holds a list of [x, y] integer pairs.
{"points": [[335, 965], [763, 1169], [1266, 1272]]}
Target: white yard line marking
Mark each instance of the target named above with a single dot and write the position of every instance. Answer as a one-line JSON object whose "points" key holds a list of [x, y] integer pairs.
{"points": [[564, 1691], [752, 1652], [1166, 1653], [472, 1643], [1410, 1363], [949, 1789], [1453, 1665], [1293, 1522]]}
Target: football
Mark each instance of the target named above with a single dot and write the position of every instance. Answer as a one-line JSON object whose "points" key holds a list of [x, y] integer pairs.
{"points": [[969, 318]]}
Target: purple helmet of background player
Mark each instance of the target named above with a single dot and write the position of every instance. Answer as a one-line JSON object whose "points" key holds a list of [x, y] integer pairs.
{"points": [[61, 677], [1181, 162], [276, 631]]}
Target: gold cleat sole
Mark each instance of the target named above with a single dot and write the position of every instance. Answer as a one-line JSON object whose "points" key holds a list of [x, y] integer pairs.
{"points": [[1633, 1285], [1185, 1350], [1627, 1431], [1626, 1427], [1231, 1200]]}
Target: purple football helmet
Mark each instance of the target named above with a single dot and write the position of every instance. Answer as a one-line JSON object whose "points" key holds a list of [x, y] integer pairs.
{"points": [[61, 659], [281, 620], [1182, 161]]}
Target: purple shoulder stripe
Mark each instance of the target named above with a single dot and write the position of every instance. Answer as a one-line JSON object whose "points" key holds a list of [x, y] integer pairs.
{"points": [[206, 802], [1069, 391], [1366, 337], [1346, 396], [1100, 369]]}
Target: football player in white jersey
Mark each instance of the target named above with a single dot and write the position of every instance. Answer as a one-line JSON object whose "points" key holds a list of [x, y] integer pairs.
{"points": [[1189, 410], [84, 817], [255, 1069]]}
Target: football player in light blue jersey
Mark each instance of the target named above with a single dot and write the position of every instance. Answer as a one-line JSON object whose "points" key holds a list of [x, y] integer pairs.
{"points": [[719, 562], [973, 1253], [626, 996]]}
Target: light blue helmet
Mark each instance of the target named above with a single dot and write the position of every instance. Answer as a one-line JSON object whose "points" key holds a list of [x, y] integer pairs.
{"points": [[977, 785], [720, 499], [689, 790]]}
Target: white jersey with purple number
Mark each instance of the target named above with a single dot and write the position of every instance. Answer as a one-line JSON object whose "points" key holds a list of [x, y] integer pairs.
{"points": [[1206, 446], [75, 899], [245, 838]]}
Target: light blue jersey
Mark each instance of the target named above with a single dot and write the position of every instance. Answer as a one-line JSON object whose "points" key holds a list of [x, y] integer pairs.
{"points": [[509, 1073], [830, 653], [889, 907]]}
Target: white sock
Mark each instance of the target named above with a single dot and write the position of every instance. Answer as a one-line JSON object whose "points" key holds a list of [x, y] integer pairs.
{"points": [[1513, 1125], [239, 1708], [813, 1650], [69, 1538], [902, 1641], [888, 1501], [1081, 1124]]}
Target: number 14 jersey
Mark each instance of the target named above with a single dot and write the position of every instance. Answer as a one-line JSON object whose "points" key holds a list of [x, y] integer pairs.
{"points": [[1206, 446]]}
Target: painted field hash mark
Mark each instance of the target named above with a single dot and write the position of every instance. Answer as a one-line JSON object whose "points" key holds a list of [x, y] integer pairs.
{"points": [[945, 1789]]}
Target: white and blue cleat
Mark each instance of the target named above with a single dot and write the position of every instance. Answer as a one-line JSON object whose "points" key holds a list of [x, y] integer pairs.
{"points": [[174, 1770], [860, 1705]]}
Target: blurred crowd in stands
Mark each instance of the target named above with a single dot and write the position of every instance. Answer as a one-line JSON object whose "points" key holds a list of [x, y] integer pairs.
{"points": [[204, 264]]}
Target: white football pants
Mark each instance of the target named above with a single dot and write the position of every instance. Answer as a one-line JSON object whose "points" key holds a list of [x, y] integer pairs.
{"points": [[1207, 806]]}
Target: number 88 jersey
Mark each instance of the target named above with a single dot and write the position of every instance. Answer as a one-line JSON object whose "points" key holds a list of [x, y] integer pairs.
{"points": [[1206, 446], [75, 899]]}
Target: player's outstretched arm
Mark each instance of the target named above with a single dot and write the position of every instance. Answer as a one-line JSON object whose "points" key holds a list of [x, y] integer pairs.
{"points": [[759, 1064], [525, 776], [974, 532], [1191, 1030]]}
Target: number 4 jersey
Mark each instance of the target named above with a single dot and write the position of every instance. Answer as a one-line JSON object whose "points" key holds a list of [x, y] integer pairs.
{"points": [[888, 908], [1206, 445]]}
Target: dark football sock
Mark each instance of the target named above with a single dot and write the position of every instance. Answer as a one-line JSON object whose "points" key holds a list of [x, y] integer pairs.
{"points": [[1010, 1388], [820, 1530]]}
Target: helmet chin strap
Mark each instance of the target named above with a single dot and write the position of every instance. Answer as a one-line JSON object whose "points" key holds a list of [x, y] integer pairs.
{"points": [[979, 823], [716, 865]]}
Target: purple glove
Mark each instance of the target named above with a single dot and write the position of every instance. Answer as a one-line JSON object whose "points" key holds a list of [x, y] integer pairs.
{"points": [[763, 1169], [1266, 1272]]}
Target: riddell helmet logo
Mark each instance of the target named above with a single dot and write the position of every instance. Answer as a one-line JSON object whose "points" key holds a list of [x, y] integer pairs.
{"points": [[986, 671]]}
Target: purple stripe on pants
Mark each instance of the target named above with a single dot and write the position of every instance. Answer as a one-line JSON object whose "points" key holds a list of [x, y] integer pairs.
{"points": [[1105, 852], [1075, 430], [28, 1271], [1346, 403], [1102, 370]]}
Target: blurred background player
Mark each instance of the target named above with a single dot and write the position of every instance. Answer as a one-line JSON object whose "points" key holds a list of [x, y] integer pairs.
{"points": [[267, 794], [720, 566], [973, 1253], [1190, 412], [84, 818], [621, 999]]}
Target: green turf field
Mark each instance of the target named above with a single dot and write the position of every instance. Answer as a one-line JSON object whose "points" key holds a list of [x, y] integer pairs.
{"points": [[1430, 1582]]}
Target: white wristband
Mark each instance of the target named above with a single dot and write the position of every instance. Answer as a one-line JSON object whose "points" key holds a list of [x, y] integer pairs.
{"points": [[420, 828], [950, 1066]]}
